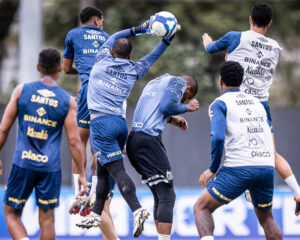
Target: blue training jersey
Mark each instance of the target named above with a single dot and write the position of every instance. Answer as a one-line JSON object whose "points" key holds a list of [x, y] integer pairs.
{"points": [[83, 44], [41, 113], [112, 78], [152, 111]]}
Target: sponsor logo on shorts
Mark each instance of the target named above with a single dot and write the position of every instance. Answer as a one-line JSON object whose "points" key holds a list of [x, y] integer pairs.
{"points": [[221, 195], [114, 154], [84, 121], [35, 157], [47, 202], [265, 205], [17, 201], [169, 175]]}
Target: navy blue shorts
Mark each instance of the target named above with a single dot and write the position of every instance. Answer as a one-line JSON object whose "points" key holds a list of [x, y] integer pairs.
{"points": [[83, 115], [231, 182], [108, 137], [21, 183], [269, 117]]}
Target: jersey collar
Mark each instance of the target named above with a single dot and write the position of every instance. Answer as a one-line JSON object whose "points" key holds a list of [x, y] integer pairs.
{"points": [[232, 90]]}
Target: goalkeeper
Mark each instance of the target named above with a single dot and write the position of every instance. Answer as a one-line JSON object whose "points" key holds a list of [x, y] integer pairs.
{"points": [[110, 83]]}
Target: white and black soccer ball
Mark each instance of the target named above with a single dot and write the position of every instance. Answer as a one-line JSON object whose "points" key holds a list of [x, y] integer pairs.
{"points": [[163, 24]]}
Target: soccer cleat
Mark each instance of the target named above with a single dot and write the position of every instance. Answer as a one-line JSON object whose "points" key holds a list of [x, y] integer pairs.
{"points": [[77, 203], [248, 196], [90, 221], [88, 204], [139, 218], [297, 210]]}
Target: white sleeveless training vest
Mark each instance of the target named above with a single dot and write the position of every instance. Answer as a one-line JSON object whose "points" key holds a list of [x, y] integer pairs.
{"points": [[259, 56], [248, 139]]}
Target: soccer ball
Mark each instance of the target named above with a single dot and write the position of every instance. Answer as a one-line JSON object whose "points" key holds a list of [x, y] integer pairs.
{"points": [[163, 24]]}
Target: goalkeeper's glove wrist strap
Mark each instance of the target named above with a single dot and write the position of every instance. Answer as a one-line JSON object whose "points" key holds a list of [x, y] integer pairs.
{"points": [[136, 31]]}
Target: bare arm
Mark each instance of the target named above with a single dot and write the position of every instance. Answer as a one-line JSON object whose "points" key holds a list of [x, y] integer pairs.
{"points": [[68, 66], [9, 115], [75, 145]]}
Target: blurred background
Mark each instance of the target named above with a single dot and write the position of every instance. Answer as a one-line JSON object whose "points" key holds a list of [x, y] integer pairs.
{"points": [[27, 26]]}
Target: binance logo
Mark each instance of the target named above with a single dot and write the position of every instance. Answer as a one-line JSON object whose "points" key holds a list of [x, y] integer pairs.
{"points": [[46, 93], [41, 111], [95, 44]]}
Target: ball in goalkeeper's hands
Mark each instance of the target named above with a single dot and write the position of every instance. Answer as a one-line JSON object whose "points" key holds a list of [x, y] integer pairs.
{"points": [[164, 24]]}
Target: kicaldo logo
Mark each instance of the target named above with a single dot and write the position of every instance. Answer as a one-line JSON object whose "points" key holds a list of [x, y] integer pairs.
{"points": [[35, 157]]}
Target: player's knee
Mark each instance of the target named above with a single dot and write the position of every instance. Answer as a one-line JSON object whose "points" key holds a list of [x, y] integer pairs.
{"points": [[199, 206], [271, 228], [46, 218]]}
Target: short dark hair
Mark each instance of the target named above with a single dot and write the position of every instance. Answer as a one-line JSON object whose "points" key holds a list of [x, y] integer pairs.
{"points": [[232, 73], [191, 81], [87, 13], [49, 61], [261, 14], [122, 48]]}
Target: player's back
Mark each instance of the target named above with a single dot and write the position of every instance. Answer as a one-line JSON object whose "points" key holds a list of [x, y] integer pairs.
{"points": [[147, 115], [111, 81], [42, 110], [83, 44], [248, 139], [259, 56]]}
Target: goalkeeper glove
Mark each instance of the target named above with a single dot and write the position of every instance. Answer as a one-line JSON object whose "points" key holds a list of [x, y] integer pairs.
{"points": [[140, 30]]}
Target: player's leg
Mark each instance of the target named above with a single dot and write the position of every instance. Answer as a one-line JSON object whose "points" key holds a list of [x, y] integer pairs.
{"points": [[19, 187], [165, 194], [262, 197], [203, 209], [285, 171], [46, 221], [47, 192], [283, 167], [13, 222], [271, 228], [107, 225], [155, 207]]}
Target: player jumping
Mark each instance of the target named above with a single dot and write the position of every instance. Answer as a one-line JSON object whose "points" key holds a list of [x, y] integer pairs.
{"points": [[82, 45], [259, 56], [111, 81], [161, 100]]}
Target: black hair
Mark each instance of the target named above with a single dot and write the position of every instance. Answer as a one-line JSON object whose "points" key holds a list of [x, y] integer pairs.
{"points": [[87, 13], [261, 14], [232, 73], [49, 60], [193, 82], [122, 48]]}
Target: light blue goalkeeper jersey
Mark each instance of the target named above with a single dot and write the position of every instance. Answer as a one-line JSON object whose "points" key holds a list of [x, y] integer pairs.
{"points": [[149, 115], [112, 79]]}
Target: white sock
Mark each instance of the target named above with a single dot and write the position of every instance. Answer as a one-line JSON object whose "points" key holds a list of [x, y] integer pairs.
{"points": [[94, 183], [136, 211], [24, 238], [208, 238], [293, 185], [94, 214], [163, 237], [76, 185]]}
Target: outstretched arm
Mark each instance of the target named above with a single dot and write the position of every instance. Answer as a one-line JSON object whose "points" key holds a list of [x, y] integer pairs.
{"points": [[229, 41], [9, 115], [75, 145]]}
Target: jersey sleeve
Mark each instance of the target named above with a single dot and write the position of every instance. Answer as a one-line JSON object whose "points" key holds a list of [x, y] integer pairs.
{"points": [[170, 102], [68, 48], [217, 114], [103, 52], [144, 64], [229, 41]]}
